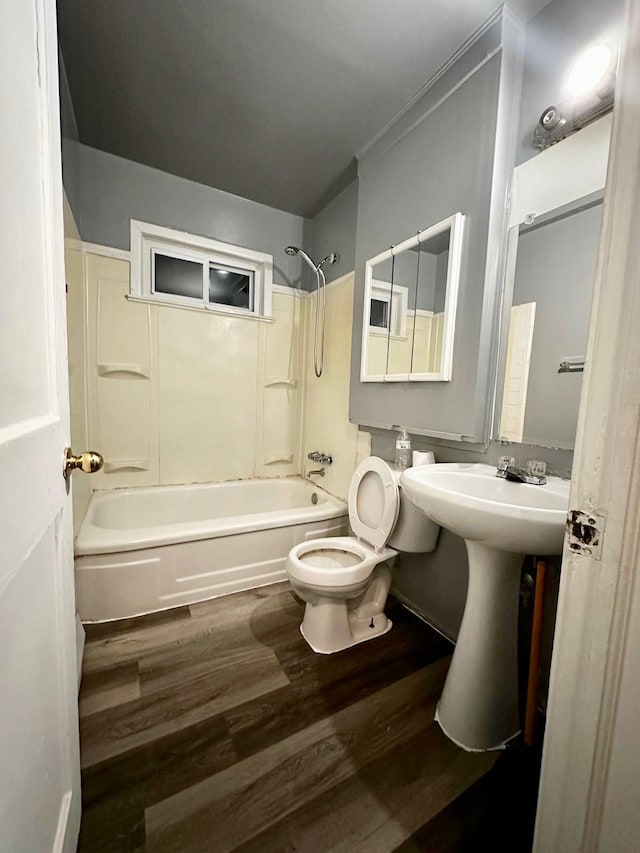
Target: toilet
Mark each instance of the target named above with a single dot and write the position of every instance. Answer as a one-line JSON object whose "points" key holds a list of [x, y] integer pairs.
{"points": [[345, 580]]}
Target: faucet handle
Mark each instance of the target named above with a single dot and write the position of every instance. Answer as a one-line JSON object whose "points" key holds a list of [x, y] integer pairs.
{"points": [[536, 468], [505, 462], [317, 456]]}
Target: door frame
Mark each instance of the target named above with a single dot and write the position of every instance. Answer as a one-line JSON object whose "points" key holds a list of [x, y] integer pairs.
{"points": [[594, 651]]}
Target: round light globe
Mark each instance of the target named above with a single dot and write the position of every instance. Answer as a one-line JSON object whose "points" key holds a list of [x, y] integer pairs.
{"points": [[589, 70]]}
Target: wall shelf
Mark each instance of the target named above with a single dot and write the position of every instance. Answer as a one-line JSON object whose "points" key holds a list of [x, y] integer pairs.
{"points": [[271, 381], [121, 371], [126, 465], [275, 460]]}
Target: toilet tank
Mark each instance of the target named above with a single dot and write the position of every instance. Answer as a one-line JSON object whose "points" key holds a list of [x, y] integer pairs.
{"points": [[414, 533]]}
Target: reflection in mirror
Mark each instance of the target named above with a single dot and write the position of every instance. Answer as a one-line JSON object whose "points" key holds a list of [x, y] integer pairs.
{"points": [[433, 263], [410, 303], [403, 301], [549, 320], [555, 215], [386, 318]]}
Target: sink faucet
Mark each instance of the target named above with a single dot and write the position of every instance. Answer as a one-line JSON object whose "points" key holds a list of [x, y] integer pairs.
{"points": [[533, 474]]}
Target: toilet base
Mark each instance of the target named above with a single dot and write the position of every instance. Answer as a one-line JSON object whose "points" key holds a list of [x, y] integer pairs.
{"points": [[364, 633], [332, 622]]}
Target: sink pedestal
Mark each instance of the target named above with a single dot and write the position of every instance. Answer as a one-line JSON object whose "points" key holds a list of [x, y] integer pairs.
{"points": [[479, 704], [499, 521]]}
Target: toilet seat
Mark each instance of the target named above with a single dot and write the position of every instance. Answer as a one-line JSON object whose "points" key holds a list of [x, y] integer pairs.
{"points": [[374, 502], [330, 562], [341, 561]]}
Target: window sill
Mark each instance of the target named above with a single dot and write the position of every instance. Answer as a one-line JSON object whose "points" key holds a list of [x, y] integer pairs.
{"points": [[385, 334], [221, 312]]}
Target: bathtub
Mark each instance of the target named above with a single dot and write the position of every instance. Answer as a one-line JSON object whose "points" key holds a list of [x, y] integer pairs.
{"points": [[146, 549]]}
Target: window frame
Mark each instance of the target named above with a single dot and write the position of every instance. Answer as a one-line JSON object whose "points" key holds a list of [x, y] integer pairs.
{"points": [[147, 240], [396, 328]]}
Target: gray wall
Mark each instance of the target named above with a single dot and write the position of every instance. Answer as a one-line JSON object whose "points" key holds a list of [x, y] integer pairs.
{"points": [[69, 138], [429, 166], [334, 230], [437, 160], [68, 123], [113, 190], [435, 584], [555, 268], [554, 38]]}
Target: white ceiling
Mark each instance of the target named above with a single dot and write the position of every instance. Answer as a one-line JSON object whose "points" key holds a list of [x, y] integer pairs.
{"points": [[268, 99]]}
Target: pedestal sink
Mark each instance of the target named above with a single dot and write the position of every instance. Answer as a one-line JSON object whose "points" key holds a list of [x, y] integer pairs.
{"points": [[500, 521]]}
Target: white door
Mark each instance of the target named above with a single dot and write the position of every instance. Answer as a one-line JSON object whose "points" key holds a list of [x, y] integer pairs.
{"points": [[39, 763], [590, 783]]}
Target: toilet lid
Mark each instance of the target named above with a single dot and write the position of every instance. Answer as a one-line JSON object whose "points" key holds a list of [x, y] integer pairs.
{"points": [[374, 502]]}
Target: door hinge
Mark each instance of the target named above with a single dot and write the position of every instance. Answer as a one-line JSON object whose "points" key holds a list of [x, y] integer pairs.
{"points": [[585, 533]]}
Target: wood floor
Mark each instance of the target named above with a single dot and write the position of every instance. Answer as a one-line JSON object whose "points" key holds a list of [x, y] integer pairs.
{"points": [[215, 728]]}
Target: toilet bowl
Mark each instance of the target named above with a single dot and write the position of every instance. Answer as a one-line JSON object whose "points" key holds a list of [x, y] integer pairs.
{"points": [[345, 580]]}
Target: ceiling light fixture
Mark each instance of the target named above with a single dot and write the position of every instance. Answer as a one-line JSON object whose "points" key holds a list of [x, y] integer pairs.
{"points": [[589, 70], [590, 86]]}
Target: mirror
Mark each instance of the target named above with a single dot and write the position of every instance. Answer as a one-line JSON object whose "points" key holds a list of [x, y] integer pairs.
{"points": [[548, 328], [410, 303], [391, 322], [551, 263]]}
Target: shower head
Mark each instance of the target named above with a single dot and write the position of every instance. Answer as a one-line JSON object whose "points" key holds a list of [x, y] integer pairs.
{"points": [[294, 250], [333, 258], [321, 304]]}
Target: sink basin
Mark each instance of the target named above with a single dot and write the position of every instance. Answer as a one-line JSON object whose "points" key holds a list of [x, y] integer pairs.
{"points": [[470, 501], [500, 521]]}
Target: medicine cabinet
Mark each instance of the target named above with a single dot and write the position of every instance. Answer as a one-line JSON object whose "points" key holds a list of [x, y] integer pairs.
{"points": [[411, 292]]}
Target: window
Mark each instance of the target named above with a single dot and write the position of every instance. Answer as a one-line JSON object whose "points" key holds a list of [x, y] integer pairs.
{"points": [[228, 286], [379, 317], [202, 281], [384, 311], [176, 268]]}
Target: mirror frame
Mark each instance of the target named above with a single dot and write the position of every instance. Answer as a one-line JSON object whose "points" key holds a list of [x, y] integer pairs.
{"points": [[454, 224]]}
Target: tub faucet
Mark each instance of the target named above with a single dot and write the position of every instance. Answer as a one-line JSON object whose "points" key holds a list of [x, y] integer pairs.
{"points": [[322, 458], [319, 473]]}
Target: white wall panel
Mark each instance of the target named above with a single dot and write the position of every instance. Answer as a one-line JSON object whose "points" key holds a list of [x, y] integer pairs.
{"points": [[191, 397], [280, 396], [326, 423], [208, 377], [121, 377]]}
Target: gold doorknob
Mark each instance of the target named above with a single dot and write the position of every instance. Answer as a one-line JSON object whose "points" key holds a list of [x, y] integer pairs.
{"points": [[89, 462]]}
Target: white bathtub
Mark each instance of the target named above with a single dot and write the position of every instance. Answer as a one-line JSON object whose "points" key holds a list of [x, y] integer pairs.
{"points": [[146, 549]]}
